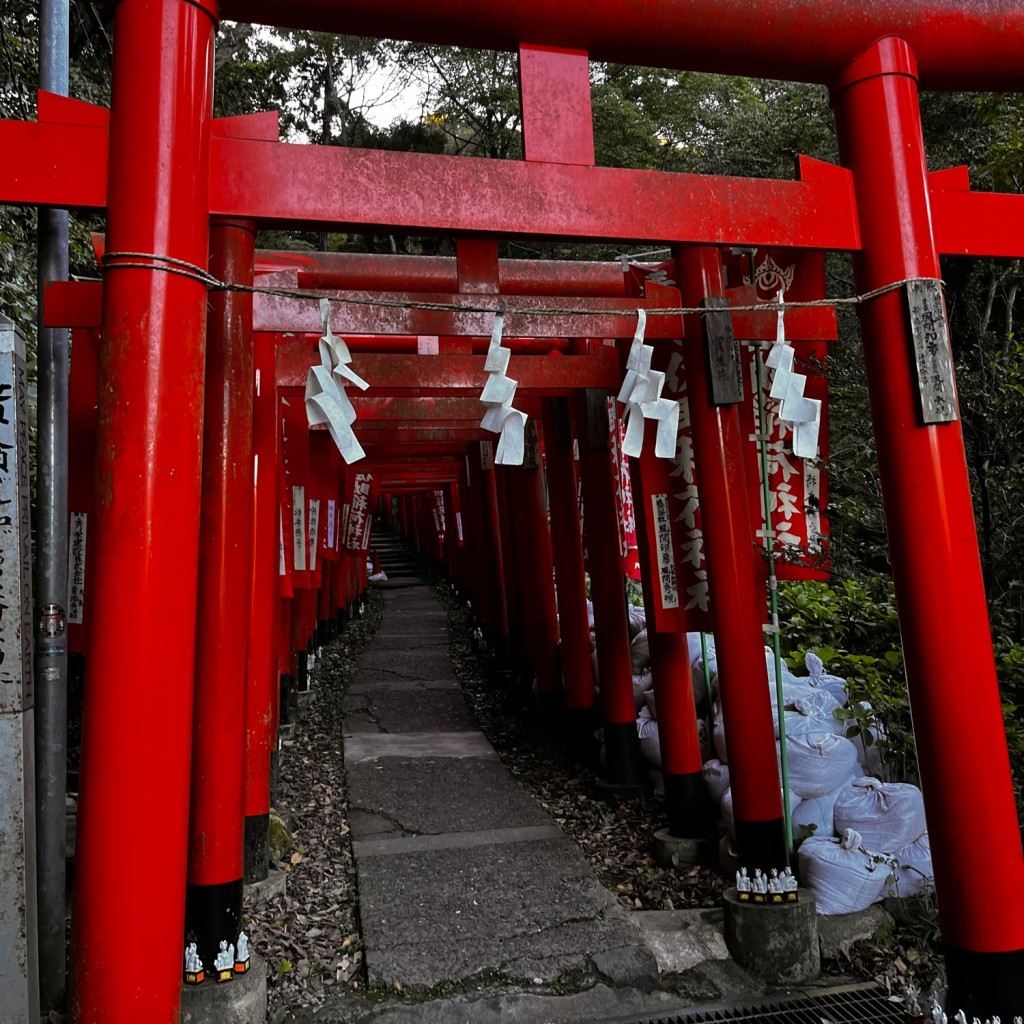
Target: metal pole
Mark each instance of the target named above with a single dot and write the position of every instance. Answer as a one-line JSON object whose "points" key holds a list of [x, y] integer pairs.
{"points": [[132, 850], [933, 543], [51, 568]]}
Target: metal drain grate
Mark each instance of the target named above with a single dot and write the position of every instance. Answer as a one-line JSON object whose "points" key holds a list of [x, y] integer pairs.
{"points": [[852, 1004]]}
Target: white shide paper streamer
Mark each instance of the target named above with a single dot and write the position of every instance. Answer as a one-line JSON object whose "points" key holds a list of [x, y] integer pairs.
{"points": [[326, 401]]}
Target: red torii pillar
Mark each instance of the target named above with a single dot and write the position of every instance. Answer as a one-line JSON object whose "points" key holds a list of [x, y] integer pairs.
{"points": [[737, 594], [567, 544], [262, 703], [623, 766], [534, 561], [133, 818], [686, 798], [213, 906], [933, 546]]}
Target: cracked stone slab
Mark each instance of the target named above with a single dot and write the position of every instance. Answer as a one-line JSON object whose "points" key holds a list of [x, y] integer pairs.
{"points": [[368, 747], [378, 664], [412, 710], [391, 845], [413, 640], [523, 910], [371, 686], [440, 795]]}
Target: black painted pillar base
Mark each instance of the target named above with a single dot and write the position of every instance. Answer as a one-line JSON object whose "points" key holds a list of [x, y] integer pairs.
{"points": [[623, 764], [688, 805], [302, 676], [287, 686], [257, 848], [761, 844], [985, 985], [323, 632], [341, 620], [580, 739], [213, 913]]}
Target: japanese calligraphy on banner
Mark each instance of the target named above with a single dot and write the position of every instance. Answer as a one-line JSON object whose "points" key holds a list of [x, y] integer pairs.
{"points": [[314, 532], [623, 496], [76, 568], [437, 508], [359, 518], [798, 487]]}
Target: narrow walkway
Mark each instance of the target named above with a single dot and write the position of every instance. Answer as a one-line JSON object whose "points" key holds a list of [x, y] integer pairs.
{"points": [[462, 877]]}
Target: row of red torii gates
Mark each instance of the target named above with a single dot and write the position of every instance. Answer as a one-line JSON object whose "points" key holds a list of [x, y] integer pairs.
{"points": [[183, 588]]}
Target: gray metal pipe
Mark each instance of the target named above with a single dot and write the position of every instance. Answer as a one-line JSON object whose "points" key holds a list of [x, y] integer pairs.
{"points": [[51, 568]]}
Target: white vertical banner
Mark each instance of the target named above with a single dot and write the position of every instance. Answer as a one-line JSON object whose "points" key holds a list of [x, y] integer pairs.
{"points": [[299, 527], [314, 531]]}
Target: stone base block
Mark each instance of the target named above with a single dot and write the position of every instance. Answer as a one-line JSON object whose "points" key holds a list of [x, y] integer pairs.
{"points": [[778, 943], [674, 851], [242, 1000], [266, 889]]}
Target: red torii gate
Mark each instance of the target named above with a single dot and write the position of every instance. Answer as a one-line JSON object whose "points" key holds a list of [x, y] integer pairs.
{"points": [[172, 168]]}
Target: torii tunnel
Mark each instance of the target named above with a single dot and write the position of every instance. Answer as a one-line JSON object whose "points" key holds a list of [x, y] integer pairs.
{"points": [[223, 531]]}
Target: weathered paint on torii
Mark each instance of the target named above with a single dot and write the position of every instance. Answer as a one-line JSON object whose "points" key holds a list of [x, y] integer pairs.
{"points": [[172, 167]]}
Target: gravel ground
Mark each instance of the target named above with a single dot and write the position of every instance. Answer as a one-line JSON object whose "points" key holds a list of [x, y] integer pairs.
{"points": [[310, 937]]}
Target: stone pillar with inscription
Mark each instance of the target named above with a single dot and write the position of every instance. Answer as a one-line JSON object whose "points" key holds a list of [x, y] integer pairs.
{"points": [[19, 966]]}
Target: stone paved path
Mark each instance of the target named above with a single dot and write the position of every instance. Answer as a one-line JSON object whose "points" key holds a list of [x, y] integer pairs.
{"points": [[461, 875]]}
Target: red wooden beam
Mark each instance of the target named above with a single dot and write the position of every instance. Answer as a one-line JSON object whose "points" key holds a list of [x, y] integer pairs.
{"points": [[446, 374], [65, 164], [958, 45], [605, 319], [283, 184]]}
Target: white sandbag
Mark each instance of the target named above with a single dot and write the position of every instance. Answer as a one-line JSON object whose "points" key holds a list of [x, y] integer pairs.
{"points": [[728, 815], [720, 747], [819, 762], [788, 679], [378, 577], [819, 679], [640, 652], [841, 873], [888, 815], [637, 620], [651, 703], [819, 811], [650, 742], [642, 683], [716, 777], [693, 644], [806, 716], [706, 740], [912, 867]]}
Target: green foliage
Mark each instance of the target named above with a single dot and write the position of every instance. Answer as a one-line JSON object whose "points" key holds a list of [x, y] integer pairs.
{"points": [[853, 627]]}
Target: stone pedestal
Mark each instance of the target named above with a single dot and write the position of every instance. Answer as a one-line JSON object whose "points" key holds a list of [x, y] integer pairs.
{"points": [[675, 851], [243, 1000], [778, 943]]}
